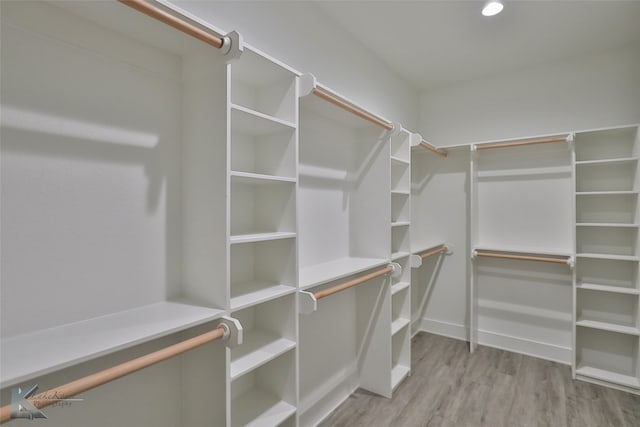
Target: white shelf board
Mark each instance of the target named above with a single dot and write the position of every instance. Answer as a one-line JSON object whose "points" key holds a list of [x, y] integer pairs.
{"points": [[400, 192], [606, 224], [611, 327], [523, 250], [398, 373], [258, 348], [256, 123], [607, 288], [257, 178], [400, 160], [608, 256], [606, 193], [398, 324], [260, 237], [400, 286], [400, 224], [254, 292], [328, 271], [258, 408], [399, 254], [28, 356], [604, 375], [606, 161]]}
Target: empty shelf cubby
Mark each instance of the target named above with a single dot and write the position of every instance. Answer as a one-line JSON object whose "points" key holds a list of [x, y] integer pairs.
{"points": [[263, 86], [607, 311], [261, 270], [262, 146], [607, 208], [607, 241], [607, 275], [606, 144]]}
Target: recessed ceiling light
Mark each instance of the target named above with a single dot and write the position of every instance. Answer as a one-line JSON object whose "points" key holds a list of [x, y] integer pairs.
{"points": [[492, 7]]}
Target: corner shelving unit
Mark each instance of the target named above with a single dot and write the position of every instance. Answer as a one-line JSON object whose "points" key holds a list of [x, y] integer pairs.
{"points": [[262, 241], [400, 253], [606, 291]]}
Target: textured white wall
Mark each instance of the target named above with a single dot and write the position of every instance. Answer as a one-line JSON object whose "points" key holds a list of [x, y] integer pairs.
{"points": [[303, 36], [583, 93]]}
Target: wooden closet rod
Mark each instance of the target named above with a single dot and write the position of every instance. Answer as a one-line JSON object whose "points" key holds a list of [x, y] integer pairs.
{"points": [[346, 285], [433, 252], [327, 96], [524, 142], [438, 151], [177, 23], [89, 382], [523, 257]]}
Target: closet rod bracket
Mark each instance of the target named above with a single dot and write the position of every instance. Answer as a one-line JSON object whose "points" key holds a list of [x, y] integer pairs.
{"points": [[232, 45], [233, 332], [307, 302]]}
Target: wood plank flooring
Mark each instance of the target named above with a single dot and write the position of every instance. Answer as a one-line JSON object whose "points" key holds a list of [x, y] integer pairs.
{"points": [[450, 387]]}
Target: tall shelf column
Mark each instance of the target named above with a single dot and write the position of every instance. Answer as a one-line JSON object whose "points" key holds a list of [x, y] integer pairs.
{"points": [[607, 253]]}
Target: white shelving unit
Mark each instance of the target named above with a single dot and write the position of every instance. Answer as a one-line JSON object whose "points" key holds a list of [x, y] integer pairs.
{"points": [[113, 163], [515, 304], [607, 292], [344, 217], [262, 168], [400, 253]]}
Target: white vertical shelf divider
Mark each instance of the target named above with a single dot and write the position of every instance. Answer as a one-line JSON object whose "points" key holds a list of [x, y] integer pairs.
{"points": [[607, 318], [262, 154], [473, 233]]}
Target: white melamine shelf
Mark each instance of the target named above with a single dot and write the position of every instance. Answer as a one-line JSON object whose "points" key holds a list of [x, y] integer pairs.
{"points": [[256, 123], [606, 161], [398, 373], [398, 324], [606, 224], [258, 408], [400, 224], [258, 348], [399, 254], [30, 355], [604, 375], [608, 256], [606, 193], [607, 288], [250, 293], [397, 287], [400, 192], [611, 327], [260, 237], [257, 178], [400, 161], [328, 271]]}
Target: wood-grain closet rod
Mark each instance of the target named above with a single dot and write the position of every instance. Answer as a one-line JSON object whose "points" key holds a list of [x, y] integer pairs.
{"points": [[330, 97], [523, 257], [438, 151], [433, 252], [346, 285], [177, 23], [89, 382], [523, 142]]}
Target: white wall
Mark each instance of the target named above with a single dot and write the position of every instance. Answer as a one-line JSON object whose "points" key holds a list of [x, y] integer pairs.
{"points": [[584, 93], [301, 35]]}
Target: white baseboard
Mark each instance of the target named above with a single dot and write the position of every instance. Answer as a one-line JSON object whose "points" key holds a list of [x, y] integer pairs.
{"points": [[552, 352], [524, 346], [446, 329]]}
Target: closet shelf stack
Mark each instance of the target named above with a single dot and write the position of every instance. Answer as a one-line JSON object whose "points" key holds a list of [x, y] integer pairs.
{"points": [[606, 290]]}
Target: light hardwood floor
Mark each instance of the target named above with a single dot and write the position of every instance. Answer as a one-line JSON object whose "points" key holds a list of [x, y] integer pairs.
{"points": [[450, 387]]}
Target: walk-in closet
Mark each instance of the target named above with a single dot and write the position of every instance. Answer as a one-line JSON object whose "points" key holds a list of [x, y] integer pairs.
{"points": [[267, 214]]}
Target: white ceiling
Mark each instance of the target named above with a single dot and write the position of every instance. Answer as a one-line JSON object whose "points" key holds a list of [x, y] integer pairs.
{"points": [[438, 43]]}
